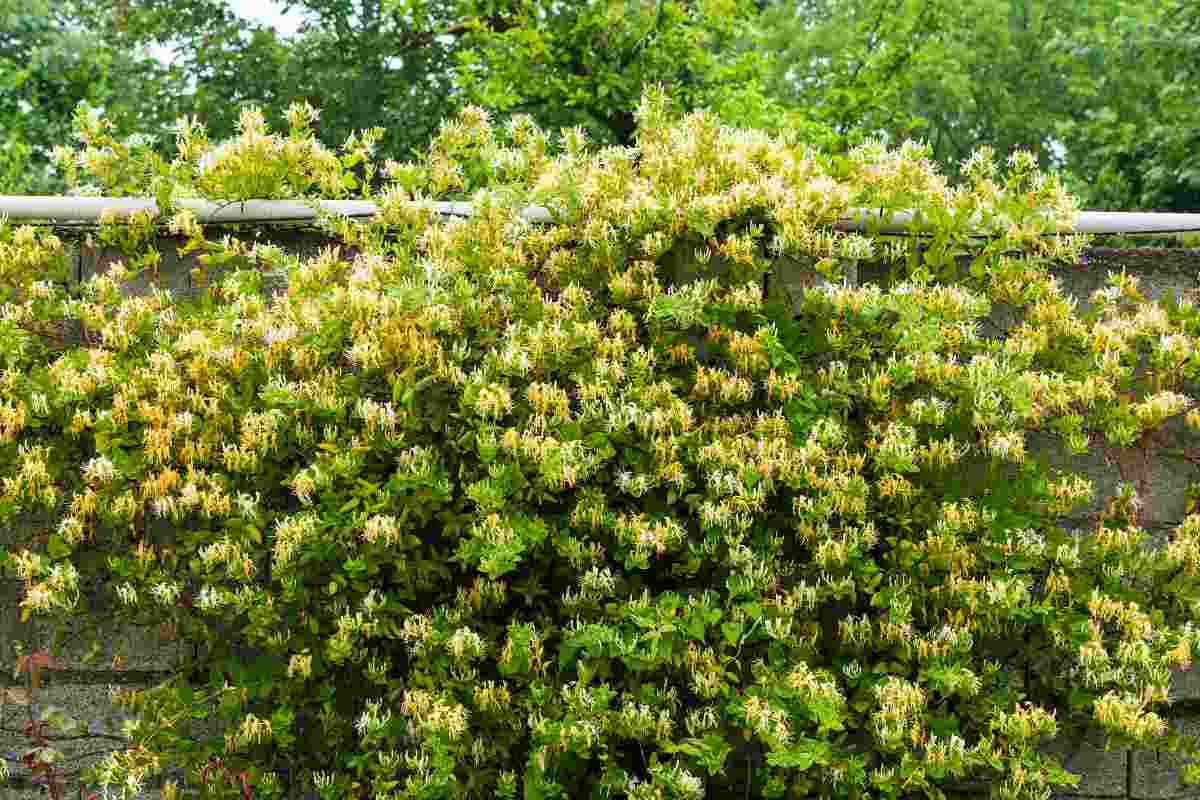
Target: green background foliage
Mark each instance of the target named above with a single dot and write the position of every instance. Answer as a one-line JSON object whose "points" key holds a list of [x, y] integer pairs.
{"points": [[1102, 91]]}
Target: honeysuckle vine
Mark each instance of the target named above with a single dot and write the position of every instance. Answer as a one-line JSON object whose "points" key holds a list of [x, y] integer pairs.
{"points": [[480, 508]]}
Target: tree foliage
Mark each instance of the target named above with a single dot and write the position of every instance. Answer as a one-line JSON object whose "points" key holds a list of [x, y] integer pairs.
{"points": [[404, 66], [48, 66], [1136, 140], [568, 64], [1097, 89]]}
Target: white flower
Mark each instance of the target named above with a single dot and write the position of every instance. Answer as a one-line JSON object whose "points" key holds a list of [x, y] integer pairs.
{"points": [[38, 598], [373, 718], [133, 782], [1008, 446], [247, 505], [691, 785], [165, 593], [99, 470], [163, 506], [40, 404], [211, 599]]}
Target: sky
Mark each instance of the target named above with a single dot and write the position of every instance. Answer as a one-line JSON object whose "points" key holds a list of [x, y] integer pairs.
{"points": [[268, 12]]}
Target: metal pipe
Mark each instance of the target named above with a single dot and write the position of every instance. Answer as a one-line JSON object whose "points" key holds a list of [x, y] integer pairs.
{"points": [[90, 209], [1093, 222]]}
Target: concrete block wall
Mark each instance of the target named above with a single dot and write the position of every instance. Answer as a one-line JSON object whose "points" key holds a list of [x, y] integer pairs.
{"points": [[139, 658]]}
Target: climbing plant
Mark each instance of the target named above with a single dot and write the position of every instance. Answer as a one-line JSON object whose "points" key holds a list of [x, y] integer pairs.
{"points": [[486, 508]]}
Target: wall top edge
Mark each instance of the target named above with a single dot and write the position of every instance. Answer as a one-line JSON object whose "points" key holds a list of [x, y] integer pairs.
{"points": [[56, 209]]}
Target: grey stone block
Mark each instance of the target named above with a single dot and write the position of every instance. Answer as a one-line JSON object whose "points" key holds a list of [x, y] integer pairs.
{"points": [[99, 734], [1156, 775], [1159, 273], [1185, 685], [27, 530], [121, 646], [790, 278], [173, 272], [1102, 772], [1161, 483]]}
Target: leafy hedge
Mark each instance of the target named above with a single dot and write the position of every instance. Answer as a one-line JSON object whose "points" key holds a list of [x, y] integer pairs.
{"points": [[576, 510]]}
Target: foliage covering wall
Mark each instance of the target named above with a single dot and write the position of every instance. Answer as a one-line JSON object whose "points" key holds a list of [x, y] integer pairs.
{"points": [[576, 509]]}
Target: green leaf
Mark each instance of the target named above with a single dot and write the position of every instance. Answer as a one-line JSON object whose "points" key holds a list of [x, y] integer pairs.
{"points": [[56, 548]]}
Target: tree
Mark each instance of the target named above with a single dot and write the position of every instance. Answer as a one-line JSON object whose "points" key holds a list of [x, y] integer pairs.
{"points": [[1099, 90], [1136, 142], [405, 65], [953, 73], [49, 63], [848, 63], [366, 63], [217, 61], [587, 63]]}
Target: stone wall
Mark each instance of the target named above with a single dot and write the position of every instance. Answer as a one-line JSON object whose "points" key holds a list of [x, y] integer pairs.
{"points": [[79, 682]]}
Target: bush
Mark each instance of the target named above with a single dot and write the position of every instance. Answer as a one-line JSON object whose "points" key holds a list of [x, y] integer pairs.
{"points": [[577, 510]]}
